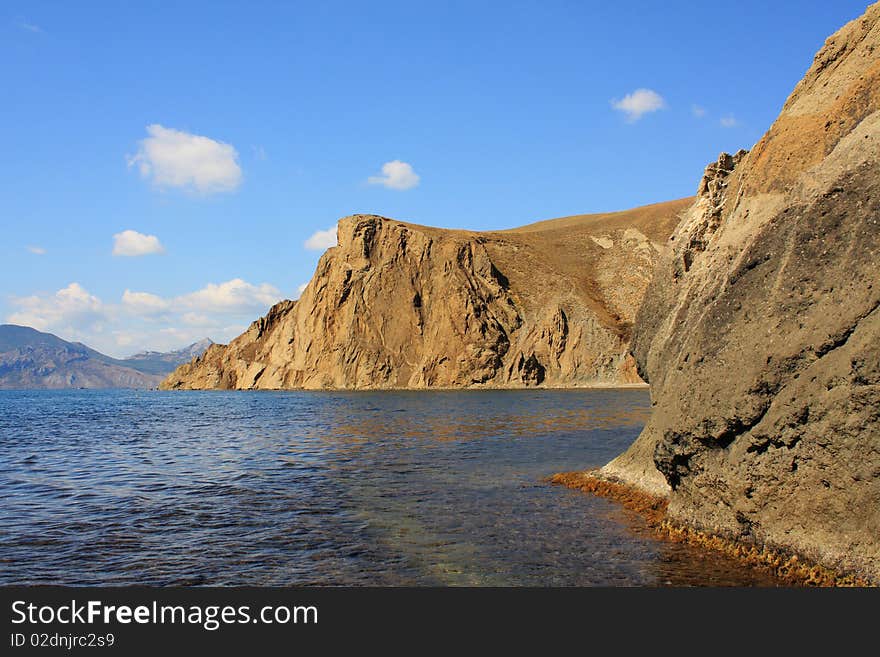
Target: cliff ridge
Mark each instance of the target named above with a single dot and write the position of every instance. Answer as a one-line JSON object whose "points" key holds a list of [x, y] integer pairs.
{"points": [[397, 305]]}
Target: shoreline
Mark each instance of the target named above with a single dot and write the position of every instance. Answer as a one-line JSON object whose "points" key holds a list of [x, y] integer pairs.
{"points": [[791, 569], [589, 386], [561, 388]]}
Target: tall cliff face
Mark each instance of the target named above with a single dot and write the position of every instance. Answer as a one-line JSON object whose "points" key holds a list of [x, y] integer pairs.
{"points": [[397, 305], [760, 333]]}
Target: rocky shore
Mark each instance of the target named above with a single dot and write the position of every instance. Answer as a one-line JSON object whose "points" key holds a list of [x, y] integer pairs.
{"points": [[789, 568]]}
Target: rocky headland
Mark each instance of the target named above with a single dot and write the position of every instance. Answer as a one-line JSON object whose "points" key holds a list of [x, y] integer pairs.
{"points": [[397, 305]]}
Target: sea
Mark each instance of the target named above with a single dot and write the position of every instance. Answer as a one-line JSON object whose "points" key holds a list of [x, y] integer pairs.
{"points": [[438, 488]]}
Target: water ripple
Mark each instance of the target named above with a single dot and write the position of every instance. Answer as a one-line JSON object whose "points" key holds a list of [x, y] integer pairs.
{"points": [[200, 488]]}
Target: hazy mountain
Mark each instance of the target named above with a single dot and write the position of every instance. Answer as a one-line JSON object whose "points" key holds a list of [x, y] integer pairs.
{"points": [[33, 359], [158, 362]]}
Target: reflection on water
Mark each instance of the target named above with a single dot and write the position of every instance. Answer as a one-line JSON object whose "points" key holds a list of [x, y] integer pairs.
{"points": [[400, 488]]}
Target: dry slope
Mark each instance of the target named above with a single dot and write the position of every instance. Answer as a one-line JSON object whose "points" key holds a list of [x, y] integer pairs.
{"points": [[396, 305], [760, 332]]}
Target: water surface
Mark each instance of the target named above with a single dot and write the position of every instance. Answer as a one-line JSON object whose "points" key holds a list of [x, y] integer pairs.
{"points": [[295, 488]]}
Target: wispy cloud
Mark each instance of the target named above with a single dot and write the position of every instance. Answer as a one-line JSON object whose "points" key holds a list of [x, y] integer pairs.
{"points": [[728, 121], [638, 103], [177, 159], [131, 243], [698, 111], [321, 239], [37, 250], [30, 27], [396, 175]]}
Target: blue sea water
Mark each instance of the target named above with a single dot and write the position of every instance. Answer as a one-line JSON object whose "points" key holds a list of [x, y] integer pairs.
{"points": [[315, 488]]}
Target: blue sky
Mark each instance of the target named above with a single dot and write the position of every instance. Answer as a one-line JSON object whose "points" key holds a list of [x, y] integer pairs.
{"points": [[164, 164]]}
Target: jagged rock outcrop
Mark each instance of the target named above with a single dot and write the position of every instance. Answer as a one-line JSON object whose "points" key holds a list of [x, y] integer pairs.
{"points": [[760, 332], [397, 305]]}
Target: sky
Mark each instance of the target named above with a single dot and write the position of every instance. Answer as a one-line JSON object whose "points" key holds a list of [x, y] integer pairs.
{"points": [[168, 170]]}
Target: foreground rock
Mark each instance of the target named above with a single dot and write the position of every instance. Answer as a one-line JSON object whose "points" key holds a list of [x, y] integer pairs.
{"points": [[397, 305], [760, 333]]}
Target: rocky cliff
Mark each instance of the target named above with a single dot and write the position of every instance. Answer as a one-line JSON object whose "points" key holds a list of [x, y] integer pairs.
{"points": [[396, 305], [760, 332]]}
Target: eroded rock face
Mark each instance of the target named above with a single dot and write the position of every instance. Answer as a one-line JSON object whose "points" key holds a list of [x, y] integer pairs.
{"points": [[760, 333], [397, 305]]}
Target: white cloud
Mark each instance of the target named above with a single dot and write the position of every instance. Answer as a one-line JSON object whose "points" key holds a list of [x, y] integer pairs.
{"points": [[639, 103], [195, 319], [124, 338], [144, 303], [321, 239], [145, 321], [301, 288], [396, 175], [37, 250], [173, 158], [133, 243], [728, 121], [71, 307], [232, 296], [698, 111]]}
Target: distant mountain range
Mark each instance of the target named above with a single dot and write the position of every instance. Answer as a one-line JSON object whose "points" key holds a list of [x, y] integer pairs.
{"points": [[33, 359], [159, 362]]}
